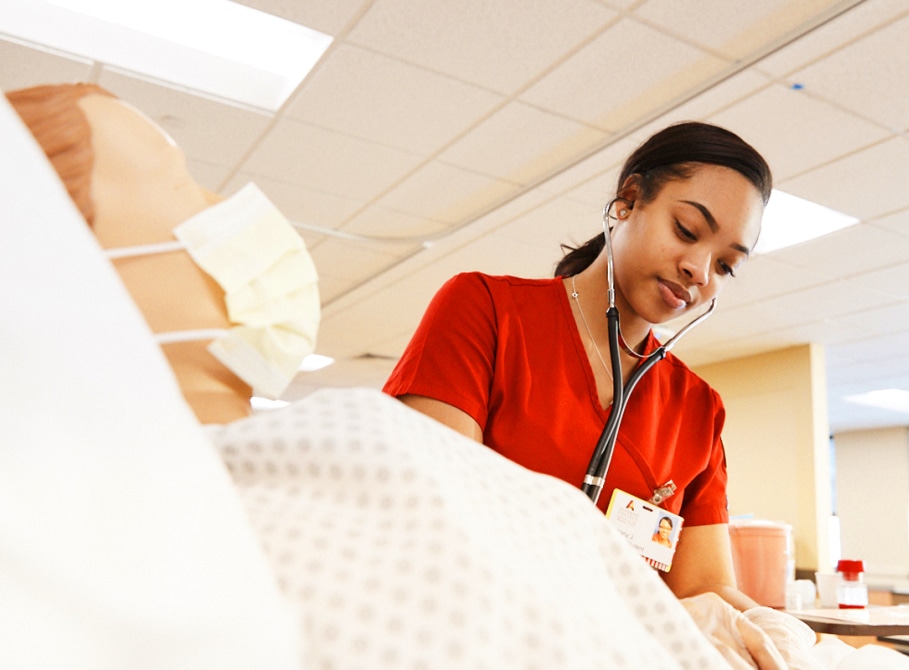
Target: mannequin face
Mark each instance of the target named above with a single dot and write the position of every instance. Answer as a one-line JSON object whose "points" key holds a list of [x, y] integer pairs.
{"points": [[140, 185], [141, 190]]}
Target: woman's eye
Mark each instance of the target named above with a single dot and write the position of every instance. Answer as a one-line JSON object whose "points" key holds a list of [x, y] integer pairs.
{"points": [[684, 232], [726, 269]]}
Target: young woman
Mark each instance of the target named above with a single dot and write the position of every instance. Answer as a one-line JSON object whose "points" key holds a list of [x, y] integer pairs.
{"points": [[522, 365]]}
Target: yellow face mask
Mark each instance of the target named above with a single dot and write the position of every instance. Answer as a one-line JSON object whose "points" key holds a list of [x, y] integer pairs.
{"points": [[270, 283]]}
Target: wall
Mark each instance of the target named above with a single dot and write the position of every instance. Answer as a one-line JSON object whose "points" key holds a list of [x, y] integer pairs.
{"points": [[777, 443], [872, 498]]}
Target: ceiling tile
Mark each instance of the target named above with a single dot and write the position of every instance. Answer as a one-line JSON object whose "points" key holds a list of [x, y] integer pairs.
{"points": [[521, 144], [619, 4], [515, 207], [723, 95], [587, 88], [24, 67], [351, 261], [555, 222], [836, 253], [861, 187], [867, 77], [892, 281], [888, 347], [732, 29], [343, 373], [197, 124], [829, 37], [389, 225], [825, 331], [497, 254], [596, 192], [374, 97], [795, 132], [446, 193], [301, 204], [832, 299], [898, 222], [887, 318], [327, 17], [764, 278], [212, 177], [497, 44], [373, 320], [592, 179], [328, 161]]}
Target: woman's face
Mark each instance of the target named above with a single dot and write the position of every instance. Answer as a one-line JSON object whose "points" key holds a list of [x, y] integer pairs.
{"points": [[679, 250]]}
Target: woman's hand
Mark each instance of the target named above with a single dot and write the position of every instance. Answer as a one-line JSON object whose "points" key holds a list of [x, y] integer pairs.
{"points": [[759, 645], [741, 643]]}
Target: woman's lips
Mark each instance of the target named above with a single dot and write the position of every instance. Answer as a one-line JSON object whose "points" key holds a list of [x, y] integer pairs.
{"points": [[674, 295]]}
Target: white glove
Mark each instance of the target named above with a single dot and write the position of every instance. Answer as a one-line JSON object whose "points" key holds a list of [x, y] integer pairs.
{"points": [[793, 638], [742, 643]]}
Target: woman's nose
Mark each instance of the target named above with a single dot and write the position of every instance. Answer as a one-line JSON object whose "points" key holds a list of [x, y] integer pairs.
{"points": [[696, 266]]}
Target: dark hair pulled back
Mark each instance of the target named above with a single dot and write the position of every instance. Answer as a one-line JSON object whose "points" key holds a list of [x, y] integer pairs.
{"points": [[675, 153]]}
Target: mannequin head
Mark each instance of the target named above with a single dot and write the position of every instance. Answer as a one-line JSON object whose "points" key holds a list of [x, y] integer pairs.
{"points": [[55, 119], [130, 182]]}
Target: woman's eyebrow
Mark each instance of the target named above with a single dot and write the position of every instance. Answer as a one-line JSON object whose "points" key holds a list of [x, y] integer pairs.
{"points": [[713, 225], [705, 213]]}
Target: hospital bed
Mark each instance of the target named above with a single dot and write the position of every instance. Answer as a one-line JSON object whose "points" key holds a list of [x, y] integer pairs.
{"points": [[344, 531]]}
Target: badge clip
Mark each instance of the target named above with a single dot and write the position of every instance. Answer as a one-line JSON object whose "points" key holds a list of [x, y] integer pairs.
{"points": [[663, 492]]}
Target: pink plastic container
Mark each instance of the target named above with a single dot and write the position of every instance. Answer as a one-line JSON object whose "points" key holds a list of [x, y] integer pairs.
{"points": [[762, 557]]}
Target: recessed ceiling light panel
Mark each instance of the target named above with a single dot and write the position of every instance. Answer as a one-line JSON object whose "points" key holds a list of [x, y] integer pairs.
{"points": [[790, 220], [215, 47], [895, 400]]}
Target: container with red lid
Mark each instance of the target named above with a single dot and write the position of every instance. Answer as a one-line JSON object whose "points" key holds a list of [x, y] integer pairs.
{"points": [[851, 592]]}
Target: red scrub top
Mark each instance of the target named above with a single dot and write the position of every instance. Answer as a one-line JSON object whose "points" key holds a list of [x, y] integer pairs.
{"points": [[507, 352]]}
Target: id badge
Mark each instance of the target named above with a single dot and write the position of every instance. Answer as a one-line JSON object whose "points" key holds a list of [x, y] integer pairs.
{"points": [[651, 530]]}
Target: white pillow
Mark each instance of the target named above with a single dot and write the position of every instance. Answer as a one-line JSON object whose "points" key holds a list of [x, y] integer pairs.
{"points": [[122, 540]]}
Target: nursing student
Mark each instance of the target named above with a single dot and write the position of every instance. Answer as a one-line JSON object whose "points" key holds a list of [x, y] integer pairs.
{"points": [[522, 365]]}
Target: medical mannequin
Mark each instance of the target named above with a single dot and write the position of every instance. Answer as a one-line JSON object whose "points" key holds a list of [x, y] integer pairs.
{"points": [[130, 181]]}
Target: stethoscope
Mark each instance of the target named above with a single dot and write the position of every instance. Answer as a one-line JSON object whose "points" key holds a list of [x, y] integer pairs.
{"points": [[602, 453]]}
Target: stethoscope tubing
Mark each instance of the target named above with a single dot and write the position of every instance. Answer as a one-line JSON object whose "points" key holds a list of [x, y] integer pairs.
{"points": [[602, 453], [595, 478]]}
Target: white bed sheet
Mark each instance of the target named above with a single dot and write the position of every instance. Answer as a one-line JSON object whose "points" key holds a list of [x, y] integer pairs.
{"points": [[123, 543], [406, 545]]}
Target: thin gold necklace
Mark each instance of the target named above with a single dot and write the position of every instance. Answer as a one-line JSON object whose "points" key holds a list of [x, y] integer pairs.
{"points": [[576, 296]]}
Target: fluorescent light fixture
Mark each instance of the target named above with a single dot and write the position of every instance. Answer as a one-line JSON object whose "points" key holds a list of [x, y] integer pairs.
{"points": [[315, 362], [895, 400], [790, 220], [264, 404], [310, 363], [215, 47]]}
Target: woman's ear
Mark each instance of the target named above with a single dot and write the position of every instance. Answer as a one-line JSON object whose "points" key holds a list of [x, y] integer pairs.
{"points": [[629, 193]]}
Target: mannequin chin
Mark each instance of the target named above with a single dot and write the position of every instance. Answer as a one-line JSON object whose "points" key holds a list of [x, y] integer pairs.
{"points": [[139, 191]]}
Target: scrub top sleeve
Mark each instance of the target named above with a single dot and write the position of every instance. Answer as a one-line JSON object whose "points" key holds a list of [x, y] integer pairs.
{"points": [[706, 500], [452, 353]]}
